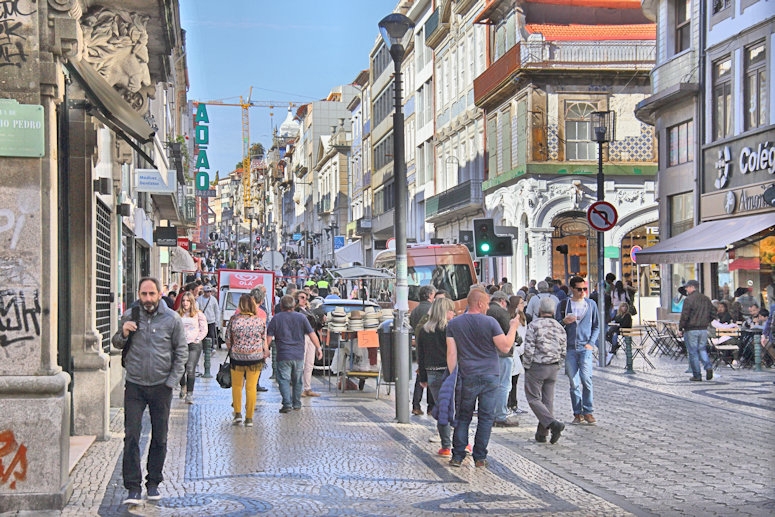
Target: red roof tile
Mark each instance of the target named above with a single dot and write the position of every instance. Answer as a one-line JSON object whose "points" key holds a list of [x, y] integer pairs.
{"points": [[573, 32]]}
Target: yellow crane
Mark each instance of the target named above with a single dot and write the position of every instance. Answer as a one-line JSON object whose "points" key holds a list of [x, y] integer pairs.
{"points": [[246, 105]]}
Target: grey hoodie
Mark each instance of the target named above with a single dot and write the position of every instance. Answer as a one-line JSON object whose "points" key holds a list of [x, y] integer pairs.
{"points": [[159, 350]]}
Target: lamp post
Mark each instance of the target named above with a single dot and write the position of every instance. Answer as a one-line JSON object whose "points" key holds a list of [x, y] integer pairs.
{"points": [[333, 227], [602, 124], [249, 214], [396, 31]]}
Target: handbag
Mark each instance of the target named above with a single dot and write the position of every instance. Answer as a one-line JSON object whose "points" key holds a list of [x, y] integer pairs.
{"points": [[223, 377], [633, 311]]}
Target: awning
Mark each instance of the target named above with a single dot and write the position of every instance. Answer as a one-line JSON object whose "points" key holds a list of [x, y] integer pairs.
{"points": [[112, 109], [181, 260], [349, 254], [707, 242]]}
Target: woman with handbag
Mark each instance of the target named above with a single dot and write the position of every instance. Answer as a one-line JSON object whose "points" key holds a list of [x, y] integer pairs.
{"points": [[195, 323], [247, 348]]}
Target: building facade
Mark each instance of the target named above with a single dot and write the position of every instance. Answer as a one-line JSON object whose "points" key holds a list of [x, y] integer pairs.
{"points": [[711, 106]]}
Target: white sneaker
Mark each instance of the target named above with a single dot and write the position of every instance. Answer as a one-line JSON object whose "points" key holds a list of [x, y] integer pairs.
{"points": [[189, 398], [434, 438]]}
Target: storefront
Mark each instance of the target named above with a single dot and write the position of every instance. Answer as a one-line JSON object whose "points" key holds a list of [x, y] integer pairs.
{"points": [[736, 236]]}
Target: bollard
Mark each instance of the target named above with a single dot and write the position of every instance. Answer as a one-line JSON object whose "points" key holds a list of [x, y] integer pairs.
{"points": [[628, 354], [274, 362], [207, 347]]}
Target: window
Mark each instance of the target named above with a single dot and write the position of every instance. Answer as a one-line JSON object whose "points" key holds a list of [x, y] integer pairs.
{"points": [[383, 152], [681, 213], [720, 5], [577, 136], [683, 25], [385, 104], [755, 94], [680, 141], [722, 98]]}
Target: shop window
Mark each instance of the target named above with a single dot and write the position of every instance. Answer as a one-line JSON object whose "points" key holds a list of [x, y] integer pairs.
{"points": [[683, 25], [722, 98], [577, 135], [680, 141], [755, 88], [681, 273]]}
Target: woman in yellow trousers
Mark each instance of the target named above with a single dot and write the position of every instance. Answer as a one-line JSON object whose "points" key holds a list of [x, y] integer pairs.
{"points": [[246, 343]]}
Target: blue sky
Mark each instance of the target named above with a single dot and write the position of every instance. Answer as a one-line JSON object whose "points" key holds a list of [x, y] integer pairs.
{"points": [[287, 50]]}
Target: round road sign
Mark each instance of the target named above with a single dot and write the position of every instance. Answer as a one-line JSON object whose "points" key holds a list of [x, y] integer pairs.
{"points": [[602, 216]]}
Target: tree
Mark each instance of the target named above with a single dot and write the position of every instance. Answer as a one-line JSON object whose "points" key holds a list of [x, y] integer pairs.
{"points": [[256, 149]]}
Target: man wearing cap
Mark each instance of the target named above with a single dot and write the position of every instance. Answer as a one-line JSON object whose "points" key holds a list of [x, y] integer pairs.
{"points": [[696, 315], [497, 309], [209, 306]]}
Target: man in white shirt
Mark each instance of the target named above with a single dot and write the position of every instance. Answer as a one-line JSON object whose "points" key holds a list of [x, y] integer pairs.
{"points": [[208, 304]]}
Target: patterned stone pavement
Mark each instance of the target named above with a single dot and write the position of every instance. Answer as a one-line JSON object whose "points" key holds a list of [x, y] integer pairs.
{"points": [[663, 446]]}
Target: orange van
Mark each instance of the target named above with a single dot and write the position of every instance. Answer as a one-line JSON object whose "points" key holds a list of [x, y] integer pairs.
{"points": [[446, 266]]}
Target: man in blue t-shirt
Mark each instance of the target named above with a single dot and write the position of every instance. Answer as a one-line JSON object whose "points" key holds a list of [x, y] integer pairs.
{"points": [[473, 341], [287, 329]]}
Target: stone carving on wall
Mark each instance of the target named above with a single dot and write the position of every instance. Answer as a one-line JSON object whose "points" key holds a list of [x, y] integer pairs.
{"points": [[508, 200], [630, 196], [115, 43]]}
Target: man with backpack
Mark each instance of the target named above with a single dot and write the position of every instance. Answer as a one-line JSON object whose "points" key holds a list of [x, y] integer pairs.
{"points": [[154, 354]]}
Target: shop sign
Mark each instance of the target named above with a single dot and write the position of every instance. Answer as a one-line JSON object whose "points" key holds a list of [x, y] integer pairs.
{"points": [[739, 201], [741, 163], [22, 130], [202, 140]]}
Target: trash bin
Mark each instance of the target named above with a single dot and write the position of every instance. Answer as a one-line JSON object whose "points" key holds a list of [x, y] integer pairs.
{"points": [[387, 351]]}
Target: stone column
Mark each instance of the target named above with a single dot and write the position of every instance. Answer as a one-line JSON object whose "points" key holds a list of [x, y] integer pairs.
{"points": [[34, 397], [541, 245]]}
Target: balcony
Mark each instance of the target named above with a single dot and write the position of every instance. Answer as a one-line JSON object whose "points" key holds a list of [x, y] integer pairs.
{"points": [[363, 226], [382, 225], [435, 29], [460, 200], [495, 84], [489, 86], [324, 205]]}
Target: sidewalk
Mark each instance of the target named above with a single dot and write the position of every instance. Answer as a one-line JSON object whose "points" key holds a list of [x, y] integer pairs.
{"points": [[663, 446]]}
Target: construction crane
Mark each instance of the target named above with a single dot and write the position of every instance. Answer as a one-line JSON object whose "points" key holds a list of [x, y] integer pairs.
{"points": [[246, 105]]}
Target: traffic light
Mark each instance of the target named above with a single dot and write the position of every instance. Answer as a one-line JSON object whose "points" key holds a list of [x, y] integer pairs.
{"points": [[486, 243]]}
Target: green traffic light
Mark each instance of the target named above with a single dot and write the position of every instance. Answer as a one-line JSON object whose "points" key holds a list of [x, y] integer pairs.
{"points": [[484, 247]]}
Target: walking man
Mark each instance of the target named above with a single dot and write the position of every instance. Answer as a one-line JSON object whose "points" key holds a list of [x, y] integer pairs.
{"points": [[473, 342], [581, 320], [288, 329], [497, 309], [696, 315], [154, 362], [209, 306]]}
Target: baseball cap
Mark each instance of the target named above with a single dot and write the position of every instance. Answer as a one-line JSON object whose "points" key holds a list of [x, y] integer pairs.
{"points": [[692, 283], [208, 289]]}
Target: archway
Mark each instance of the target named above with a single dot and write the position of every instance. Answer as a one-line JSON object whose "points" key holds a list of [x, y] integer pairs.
{"points": [[572, 230]]}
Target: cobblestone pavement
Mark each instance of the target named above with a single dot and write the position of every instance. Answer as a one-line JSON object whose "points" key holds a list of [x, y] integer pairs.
{"points": [[663, 446]]}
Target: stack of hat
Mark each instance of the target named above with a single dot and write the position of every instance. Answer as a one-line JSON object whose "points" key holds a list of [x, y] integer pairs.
{"points": [[371, 318], [385, 315], [356, 321], [337, 320]]}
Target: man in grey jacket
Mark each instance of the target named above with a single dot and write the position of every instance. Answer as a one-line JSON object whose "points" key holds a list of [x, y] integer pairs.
{"points": [[154, 364]]}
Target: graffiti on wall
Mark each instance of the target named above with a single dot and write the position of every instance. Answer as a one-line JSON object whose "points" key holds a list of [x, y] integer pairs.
{"points": [[13, 460], [12, 37], [18, 317]]}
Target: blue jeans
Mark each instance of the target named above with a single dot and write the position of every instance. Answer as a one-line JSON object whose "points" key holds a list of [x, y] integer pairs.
{"points": [[504, 379], [189, 374], [578, 368], [696, 347], [435, 378], [289, 376], [483, 388]]}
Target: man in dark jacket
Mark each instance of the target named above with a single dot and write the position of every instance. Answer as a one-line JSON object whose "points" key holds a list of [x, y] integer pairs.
{"points": [[425, 294], [154, 364], [497, 309], [696, 315]]}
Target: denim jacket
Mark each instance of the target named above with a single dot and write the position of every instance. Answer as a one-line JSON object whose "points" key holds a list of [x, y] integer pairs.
{"points": [[581, 332]]}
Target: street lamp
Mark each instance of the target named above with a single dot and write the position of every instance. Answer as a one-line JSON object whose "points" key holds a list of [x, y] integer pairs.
{"points": [[249, 214], [333, 227], [396, 31], [602, 124]]}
